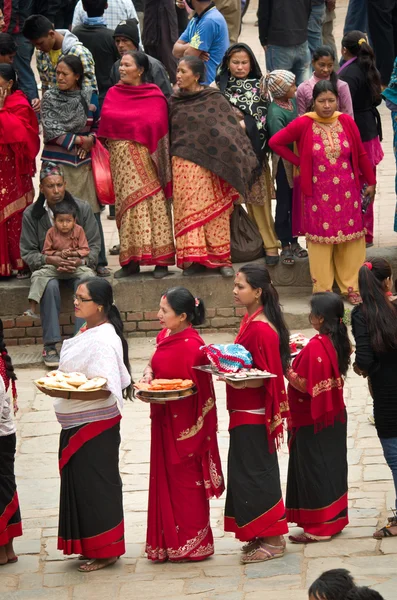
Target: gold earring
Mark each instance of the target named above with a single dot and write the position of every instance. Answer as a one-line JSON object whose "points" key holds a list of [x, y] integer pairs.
{"points": [[100, 308]]}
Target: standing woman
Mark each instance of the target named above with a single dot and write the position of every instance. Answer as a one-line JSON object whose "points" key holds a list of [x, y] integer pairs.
{"points": [[238, 78], [91, 521], [331, 160], [212, 164], [185, 467], [254, 509], [134, 123], [360, 73], [10, 516], [19, 145], [323, 62], [70, 116], [374, 324], [317, 470]]}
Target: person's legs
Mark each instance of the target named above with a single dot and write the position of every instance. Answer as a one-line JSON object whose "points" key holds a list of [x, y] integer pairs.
{"points": [[380, 20], [315, 26], [283, 207], [328, 34], [280, 57], [50, 308], [301, 64], [389, 446], [22, 60], [348, 258], [321, 263], [102, 260], [356, 16], [231, 10]]}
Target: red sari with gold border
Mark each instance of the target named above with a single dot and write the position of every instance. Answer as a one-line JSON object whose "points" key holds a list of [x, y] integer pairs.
{"points": [[185, 466], [317, 471], [254, 504], [19, 145]]}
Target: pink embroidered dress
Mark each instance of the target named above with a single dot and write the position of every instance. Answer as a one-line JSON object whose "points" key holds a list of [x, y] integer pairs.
{"points": [[332, 215]]}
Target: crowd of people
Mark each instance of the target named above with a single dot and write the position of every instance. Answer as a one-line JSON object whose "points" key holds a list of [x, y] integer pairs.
{"points": [[186, 127]]}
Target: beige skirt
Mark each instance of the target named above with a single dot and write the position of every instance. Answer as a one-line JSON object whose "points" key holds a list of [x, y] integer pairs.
{"points": [[80, 183]]}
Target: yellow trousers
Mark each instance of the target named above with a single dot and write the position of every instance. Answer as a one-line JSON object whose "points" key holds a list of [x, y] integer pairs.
{"points": [[231, 10], [262, 217], [339, 262]]}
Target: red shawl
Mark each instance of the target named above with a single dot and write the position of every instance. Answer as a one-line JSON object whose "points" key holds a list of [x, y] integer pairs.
{"points": [[190, 425], [300, 131], [315, 391], [19, 129], [139, 113], [263, 343]]}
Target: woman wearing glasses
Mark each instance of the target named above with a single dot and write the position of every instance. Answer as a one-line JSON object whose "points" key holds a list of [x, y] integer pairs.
{"points": [[91, 521]]}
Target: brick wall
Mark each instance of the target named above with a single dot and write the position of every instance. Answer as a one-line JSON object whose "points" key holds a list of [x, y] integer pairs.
{"points": [[23, 330]]}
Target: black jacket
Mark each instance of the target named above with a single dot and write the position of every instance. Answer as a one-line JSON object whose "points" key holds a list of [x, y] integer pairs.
{"points": [[47, 8], [100, 42], [283, 22], [19, 10], [157, 71]]}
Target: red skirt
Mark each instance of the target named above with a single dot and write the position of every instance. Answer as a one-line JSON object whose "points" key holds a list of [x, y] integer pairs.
{"points": [[10, 516], [91, 520], [179, 511]]}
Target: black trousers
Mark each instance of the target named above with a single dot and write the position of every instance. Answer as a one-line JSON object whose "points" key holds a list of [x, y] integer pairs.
{"points": [[283, 221], [382, 22]]}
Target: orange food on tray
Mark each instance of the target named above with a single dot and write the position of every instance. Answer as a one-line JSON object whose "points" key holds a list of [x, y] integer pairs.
{"points": [[165, 385]]}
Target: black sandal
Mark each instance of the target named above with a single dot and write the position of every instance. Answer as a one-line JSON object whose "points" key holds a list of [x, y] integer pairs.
{"points": [[115, 250], [272, 261], [287, 257], [298, 251]]}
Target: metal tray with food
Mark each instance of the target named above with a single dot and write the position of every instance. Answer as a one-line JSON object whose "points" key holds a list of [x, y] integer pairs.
{"points": [[165, 390], [241, 375]]}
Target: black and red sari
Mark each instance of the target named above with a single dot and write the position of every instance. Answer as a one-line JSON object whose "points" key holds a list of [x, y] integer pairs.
{"points": [[317, 472], [10, 516], [91, 520]]}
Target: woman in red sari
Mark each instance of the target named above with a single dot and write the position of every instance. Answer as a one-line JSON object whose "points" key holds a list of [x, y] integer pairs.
{"points": [[317, 470], [19, 145], [254, 509], [185, 467]]}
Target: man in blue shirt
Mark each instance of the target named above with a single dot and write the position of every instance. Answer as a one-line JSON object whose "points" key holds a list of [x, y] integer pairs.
{"points": [[206, 36]]}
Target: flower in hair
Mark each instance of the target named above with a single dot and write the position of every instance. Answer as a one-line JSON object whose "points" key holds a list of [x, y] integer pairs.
{"points": [[196, 302], [368, 265], [361, 41]]}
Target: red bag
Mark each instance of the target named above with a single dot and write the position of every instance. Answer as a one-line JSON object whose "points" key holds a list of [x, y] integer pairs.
{"points": [[102, 174]]}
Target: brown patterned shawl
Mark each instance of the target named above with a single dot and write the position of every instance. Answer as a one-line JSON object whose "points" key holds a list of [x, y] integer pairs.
{"points": [[205, 131]]}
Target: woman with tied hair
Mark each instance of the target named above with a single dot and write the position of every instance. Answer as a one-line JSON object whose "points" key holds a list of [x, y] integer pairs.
{"points": [[10, 516], [185, 466], [212, 165], [280, 86], [134, 123], [374, 324], [254, 509], [238, 78], [91, 520], [317, 470], [360, 73], [327, 206], [19, 146]]}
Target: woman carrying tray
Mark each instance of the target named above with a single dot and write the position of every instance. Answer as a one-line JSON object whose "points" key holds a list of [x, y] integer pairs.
{"points": [[91, 520], [185, 467], [254, 509]]}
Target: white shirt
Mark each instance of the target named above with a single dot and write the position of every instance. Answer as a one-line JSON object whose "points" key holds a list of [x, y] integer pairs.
{"points": [[117, 11], [7, 426], [49, 211]]}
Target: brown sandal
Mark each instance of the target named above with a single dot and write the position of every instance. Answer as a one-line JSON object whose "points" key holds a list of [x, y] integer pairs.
{"points": [[305, 538], [262, 553], [97, 564]]}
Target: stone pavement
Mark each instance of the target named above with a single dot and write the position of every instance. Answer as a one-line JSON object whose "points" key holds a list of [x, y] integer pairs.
{"points": [[43, 573]]}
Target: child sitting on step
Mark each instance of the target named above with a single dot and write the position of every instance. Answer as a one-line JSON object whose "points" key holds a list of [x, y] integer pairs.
{"points": [[66, 239]]}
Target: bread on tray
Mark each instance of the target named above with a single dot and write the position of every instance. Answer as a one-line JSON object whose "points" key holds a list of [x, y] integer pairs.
{"points": [[75, 381]]}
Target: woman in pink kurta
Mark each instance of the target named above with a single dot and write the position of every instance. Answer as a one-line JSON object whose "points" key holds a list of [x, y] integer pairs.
{"points": [[331, 158]]}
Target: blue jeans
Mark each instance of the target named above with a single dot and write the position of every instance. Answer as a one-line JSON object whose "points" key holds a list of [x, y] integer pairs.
{"points": [[290, 58], [50, 309], [315, 27], [389, 446], [357, 17], [22, 60]]}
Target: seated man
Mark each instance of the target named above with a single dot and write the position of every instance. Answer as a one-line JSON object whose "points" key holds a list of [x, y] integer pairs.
{"points": [[51, 45], [126, 36], [8, 48], [206, 37], [38, 218]]}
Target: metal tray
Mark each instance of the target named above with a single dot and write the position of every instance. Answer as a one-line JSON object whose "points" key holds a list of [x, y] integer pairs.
{"points": [[231, 376]]}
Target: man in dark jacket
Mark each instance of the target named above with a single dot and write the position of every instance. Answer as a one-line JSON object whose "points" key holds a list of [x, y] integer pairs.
{"points": [[15, 13], [283, 34], [37, 220], [99, 40], [126, 36]]}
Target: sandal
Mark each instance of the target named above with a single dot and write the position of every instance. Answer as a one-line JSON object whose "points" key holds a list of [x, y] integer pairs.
{"points": [[298, 251], [287, 257], [32, 315], [271, 260], [262, 553], [115, 250], [25, 274], [250, 545], [354, 298], [97, 564], [306, 538], [103, 272], [385, 531]]}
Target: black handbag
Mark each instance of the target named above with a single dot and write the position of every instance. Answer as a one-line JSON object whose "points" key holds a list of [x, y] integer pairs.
{"points": [[246, 243]]}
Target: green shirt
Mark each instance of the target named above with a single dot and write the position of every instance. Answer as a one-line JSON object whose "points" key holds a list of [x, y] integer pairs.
{"points": [[278, 117]]}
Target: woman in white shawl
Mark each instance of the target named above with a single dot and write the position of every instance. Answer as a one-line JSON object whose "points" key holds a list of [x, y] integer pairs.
{"points": [[91, 507]]}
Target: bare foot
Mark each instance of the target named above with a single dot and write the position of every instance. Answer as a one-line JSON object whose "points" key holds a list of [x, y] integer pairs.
{"points": [[3, 556], [96, 564], [11, 556]]}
